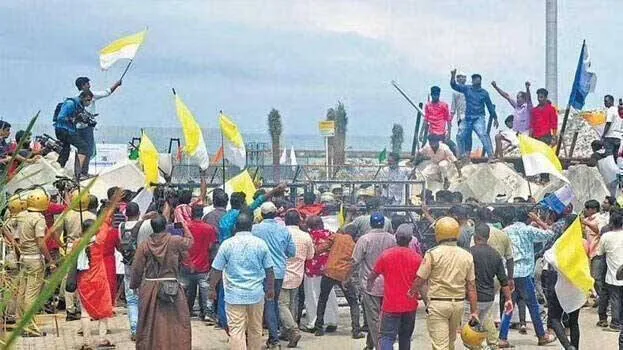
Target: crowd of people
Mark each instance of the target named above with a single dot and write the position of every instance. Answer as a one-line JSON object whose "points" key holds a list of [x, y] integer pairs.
{"points": [[275, 264], [243, 265]]}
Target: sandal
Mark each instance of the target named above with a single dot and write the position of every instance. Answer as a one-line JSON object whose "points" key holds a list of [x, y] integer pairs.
{"points": [[86, 347]]}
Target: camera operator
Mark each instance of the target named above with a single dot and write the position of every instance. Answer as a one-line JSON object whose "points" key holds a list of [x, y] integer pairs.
{"points": [[85, 130], [65, 128]]}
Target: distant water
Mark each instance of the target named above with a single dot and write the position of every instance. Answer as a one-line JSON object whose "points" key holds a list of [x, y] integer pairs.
{"points": [[161, 136]]}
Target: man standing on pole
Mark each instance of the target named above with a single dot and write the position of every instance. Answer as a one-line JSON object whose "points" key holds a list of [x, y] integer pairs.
{"points": [[476, 98], [85, 131]]}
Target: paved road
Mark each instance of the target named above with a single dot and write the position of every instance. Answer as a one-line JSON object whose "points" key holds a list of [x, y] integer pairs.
{"points": [[205, 337]]}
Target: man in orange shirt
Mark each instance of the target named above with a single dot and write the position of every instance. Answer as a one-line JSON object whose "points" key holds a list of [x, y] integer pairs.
{"points": [[337, 272]]}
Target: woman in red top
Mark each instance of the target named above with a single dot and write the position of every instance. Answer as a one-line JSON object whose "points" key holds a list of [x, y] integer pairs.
{"points": [[93, 288], [313, 275]]}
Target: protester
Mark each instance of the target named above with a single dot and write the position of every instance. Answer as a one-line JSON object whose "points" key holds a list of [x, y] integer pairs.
{"points": [[130, 238], [544, 123], [457, 111], [310, 207], [610, 247], [195, 268], [164, 319], [313, 276], [398, 267], [437, 118], [488, 264], [361, 224], [441, 159], [368, 249], [93, 288], [295, 269], [219, 202], [607, 166], [506, 140], [85, 131], [247, 262], [522, 108], [523, 237], [476, 98], [449, 272], [33, 251], [394, 192], [281, 247], [338, 272], [66, 132], [613, 130]]}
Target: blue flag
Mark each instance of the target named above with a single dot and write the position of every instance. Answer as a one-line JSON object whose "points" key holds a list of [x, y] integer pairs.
{"points": [[584, 81]]}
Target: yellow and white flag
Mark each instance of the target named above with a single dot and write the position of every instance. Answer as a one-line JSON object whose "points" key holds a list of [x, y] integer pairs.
{"points": [[125, 47], [194, 144], [241, 183], [539, 158], [596, 119], [235, 150], [148, 156], [568, 257]]}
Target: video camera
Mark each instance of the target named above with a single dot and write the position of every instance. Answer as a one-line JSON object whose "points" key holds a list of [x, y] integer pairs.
{"points": [[64, 184], [49, 144], [86, 117]]}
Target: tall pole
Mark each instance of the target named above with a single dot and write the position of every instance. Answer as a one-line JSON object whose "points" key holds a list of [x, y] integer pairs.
{"points": [[551, 49], [223, 160], [326, 148]]}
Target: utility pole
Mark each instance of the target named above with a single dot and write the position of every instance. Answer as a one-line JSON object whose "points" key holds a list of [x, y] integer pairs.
{"points": [[551, 49]]}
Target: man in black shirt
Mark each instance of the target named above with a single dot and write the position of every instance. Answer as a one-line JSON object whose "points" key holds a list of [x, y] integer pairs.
{"points": [[488, 264]]}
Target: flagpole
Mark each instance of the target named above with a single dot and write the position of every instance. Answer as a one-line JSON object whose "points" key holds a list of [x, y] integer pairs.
{"points": [[564, 120], [223, 148], [126, 70]]}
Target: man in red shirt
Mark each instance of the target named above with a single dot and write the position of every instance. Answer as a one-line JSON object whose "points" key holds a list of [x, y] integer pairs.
{"points": [[398, 266], [544, 123], [310, 207], [195, 268], [437, 115]]}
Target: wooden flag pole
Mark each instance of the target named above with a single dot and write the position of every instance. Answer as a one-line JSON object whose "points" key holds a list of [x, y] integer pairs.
{"points": [[561, 134], [223, 148]]}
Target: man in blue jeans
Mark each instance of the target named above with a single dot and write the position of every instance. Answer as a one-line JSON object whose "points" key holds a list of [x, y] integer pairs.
{"points": [[476, 98], [281, 247], [523, 236]]}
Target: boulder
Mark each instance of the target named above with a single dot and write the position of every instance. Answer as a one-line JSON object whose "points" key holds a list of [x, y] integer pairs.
{"points": [[586, 182], [486, 180]]}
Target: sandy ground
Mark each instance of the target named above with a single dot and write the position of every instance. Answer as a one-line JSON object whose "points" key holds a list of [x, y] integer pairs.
{"points": [[206, 337]]}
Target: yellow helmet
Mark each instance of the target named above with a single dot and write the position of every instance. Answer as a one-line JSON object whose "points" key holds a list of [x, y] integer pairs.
{"points": [[37, 200], [446, 228], [83, 204], [473, 336], [17, 204]]}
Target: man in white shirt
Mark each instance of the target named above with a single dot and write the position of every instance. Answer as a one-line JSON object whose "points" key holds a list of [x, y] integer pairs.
{"points": [[441, 158], [86, 131], [611, 245], [614, 127], [393, 172]]}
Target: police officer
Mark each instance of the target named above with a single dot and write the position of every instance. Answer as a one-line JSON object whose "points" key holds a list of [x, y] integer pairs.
{"points": [[33, 250], [71, 228], [449, 271]]}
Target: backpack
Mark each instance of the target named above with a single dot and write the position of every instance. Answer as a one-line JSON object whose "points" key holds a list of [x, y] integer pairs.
{"points": [[128, 241], [57, 110]]}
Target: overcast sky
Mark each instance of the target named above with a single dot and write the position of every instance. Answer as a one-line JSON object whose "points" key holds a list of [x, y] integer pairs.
{"points": [[299, 56]]}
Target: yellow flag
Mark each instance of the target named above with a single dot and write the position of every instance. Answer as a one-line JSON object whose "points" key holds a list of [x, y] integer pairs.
{"points": [[341, 216], [193, 136], [241, 183], [568, 257], [538, 157], [235, 150], [148, 156], [125, 47]]}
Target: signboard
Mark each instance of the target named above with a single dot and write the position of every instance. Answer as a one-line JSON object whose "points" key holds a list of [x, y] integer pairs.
{"points": [[107, 155], [327, 128]]}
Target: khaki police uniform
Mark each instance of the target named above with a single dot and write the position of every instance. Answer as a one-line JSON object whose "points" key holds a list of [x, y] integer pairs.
{"points": [[72, 231], [447, 268], [31, 263]]}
